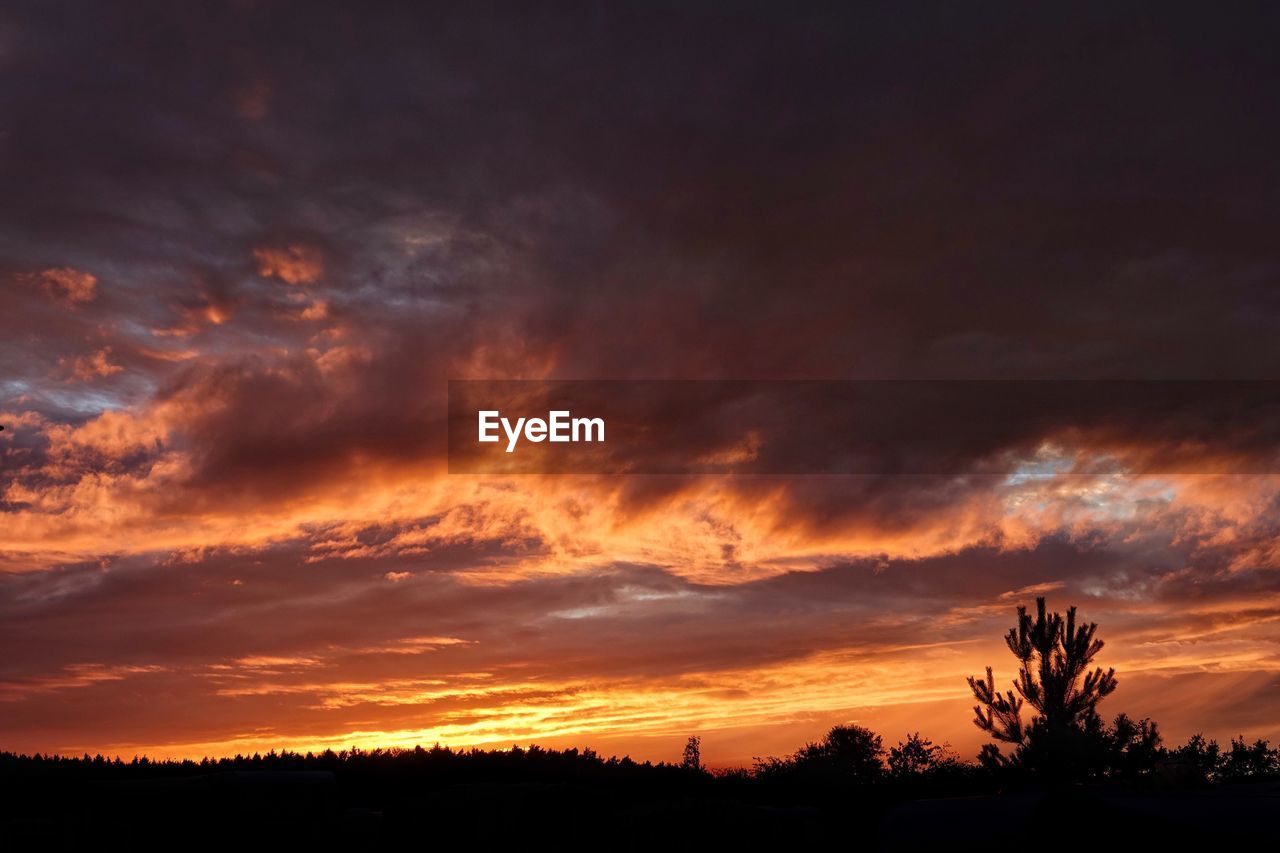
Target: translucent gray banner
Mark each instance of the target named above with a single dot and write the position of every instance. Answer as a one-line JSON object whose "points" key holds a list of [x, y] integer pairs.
{"points": [[863, 427]]}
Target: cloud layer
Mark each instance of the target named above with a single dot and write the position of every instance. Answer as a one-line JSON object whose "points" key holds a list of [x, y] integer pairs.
{"points": [[246, 246]]}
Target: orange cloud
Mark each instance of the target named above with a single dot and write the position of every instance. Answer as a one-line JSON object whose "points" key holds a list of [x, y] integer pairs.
{"points": [[150, 480], [209, 310], [316, 310], [72, 676], [169, 355], [69, 286], [88, 367], [294, 264]]}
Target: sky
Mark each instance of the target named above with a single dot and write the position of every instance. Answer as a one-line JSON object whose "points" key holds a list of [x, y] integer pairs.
{"points": [[245, 245]]}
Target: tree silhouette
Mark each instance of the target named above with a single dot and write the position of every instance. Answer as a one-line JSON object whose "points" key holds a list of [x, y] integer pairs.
{"points": [[692, 757], [1054, 679], [918, 756], [1133, 746], [847, 754], [1249, 760]]}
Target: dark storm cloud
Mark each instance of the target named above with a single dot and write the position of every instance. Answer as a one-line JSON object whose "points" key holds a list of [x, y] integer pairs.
{"points": [[723, 194], [1041, 197], [979, 208]]}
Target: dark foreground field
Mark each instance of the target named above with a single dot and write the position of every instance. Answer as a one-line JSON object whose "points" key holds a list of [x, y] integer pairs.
{"points": [[626, 806]]}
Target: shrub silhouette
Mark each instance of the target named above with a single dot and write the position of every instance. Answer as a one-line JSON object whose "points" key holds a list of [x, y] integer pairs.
{"points": [[1200, 755], [918, 756], [1065, 737], [1132, 747], [1246, 760], [846, 754]]}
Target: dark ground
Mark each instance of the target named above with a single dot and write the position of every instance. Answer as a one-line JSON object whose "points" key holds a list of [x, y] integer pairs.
{"points": [[644, 808]]}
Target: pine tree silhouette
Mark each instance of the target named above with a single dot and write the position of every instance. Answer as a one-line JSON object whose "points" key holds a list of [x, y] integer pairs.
{"points": [[1055, 680]]}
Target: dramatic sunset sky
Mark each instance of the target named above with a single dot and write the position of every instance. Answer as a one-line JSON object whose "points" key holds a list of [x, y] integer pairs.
{"points": [[244, 245]]}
